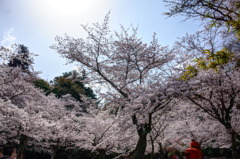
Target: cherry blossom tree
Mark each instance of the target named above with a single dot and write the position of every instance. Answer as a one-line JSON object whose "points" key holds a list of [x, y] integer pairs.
{"points": [[29, 118], [131, 68], [98, 133], [218, 95], [210, 81], [61, 129], [186, 122], [156, 137]]}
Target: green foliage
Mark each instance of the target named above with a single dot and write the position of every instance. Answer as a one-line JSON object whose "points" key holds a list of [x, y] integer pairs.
{"points": [[63, 85], [209, 60], [235, 26], [215, 60], [22, 58], [71, 83], [190, 72], [219, 13], [68, 83], [44, 85]]}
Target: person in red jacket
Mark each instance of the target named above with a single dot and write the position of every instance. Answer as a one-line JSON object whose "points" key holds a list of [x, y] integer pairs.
{"points": [[194, 152]]}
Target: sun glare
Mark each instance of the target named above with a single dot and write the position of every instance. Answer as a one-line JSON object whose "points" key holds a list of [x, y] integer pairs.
{"points": [[65, 8], [68, 7], [61, 16]]}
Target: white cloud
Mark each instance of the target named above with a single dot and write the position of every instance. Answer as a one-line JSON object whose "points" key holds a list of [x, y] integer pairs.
{"points": [[8, 38]]}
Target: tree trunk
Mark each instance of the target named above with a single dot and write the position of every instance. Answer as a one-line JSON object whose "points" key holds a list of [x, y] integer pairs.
{"points": [[233, 134], [152, 146], [55, 149], [102, 154], [53, 155], [234, 146], [143, 130], [140, 149], [22, 146]]}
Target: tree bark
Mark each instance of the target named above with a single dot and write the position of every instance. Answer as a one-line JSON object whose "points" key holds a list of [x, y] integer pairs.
{"points": [[233, 134], [143, 131], [141, 146], [152, 147], [22, 146], [102, 154], [53, 155], [234, 146], [161, 151]]}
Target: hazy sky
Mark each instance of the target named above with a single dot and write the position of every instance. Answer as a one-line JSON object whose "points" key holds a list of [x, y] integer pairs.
{"points": [[35, 23]]}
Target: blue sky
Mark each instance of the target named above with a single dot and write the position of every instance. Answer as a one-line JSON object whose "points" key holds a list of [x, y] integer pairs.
{"points": [[35, 23]]}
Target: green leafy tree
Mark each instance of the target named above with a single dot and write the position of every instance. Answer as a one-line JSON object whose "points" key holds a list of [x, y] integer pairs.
{"points": [[214, 12], [44, 85], [210, 60], [21, 58], [69, 83]]}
